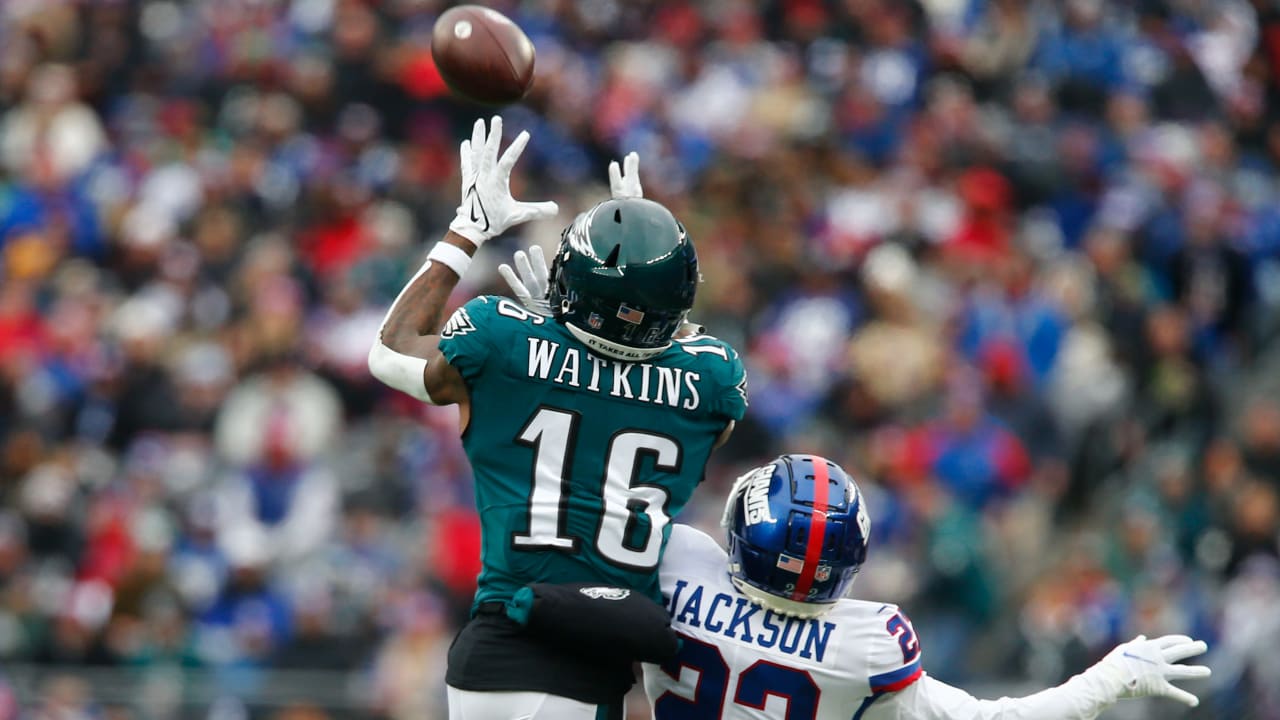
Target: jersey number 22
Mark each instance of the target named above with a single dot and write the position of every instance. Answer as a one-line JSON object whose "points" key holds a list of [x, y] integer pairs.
{"points": [[755, 684]]}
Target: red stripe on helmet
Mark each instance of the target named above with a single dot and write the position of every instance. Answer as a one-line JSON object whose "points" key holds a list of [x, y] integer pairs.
{"points": [[817, 530]]}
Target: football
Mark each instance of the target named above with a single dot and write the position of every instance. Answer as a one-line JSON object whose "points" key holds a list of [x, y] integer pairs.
{"points": [[482, 55]]}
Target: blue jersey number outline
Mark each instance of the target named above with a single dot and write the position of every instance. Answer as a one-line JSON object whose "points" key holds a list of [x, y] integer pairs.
{"points": [[754, 686], [899, 628]]}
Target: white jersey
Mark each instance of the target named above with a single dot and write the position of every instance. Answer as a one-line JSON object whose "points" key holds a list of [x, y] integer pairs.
{"points": [[739, 661]]}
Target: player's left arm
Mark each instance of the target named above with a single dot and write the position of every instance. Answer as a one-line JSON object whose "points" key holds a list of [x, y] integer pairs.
{"points": [[406, 353], [730, 400], [1138, 668], [723, 437]]}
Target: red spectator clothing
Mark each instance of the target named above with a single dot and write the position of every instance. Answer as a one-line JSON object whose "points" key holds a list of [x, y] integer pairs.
{"points": [[21, 333], [456, 550], [335, 247]]}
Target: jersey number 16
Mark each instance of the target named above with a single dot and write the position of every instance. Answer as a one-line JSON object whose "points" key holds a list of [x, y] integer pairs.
{"points": [[552, 434]]}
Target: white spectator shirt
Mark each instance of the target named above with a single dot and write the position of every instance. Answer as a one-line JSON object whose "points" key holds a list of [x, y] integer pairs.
{"points": [[741, 662]]}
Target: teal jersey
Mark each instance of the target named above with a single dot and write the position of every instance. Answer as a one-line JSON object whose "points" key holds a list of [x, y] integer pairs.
{"points": [[581, 461]]}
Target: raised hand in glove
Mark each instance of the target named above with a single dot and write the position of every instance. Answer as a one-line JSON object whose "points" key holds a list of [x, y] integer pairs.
{"points": [[487, 208], [530, 286], [1142, 667], [625, 184]]}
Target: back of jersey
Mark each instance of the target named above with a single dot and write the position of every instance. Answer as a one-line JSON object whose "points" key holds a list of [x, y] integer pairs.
{"points": [[739, 661], [581, 461]]}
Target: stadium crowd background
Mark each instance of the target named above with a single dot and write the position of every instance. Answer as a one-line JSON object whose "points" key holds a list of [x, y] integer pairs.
{"points": [[1015, 262]]}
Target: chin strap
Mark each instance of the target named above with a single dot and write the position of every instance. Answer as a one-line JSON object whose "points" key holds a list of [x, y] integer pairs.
{"points": [[614, 350], [780, 605]]}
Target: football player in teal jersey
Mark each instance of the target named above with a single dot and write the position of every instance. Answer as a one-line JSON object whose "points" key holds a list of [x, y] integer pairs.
{"points": [[587, 422]]}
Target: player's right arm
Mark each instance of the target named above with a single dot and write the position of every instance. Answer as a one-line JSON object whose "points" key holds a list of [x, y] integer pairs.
{"points": [[1138, 668], [406, 353]]}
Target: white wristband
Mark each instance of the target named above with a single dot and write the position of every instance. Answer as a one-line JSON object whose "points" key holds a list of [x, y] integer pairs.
{"points": [[451, 256]]}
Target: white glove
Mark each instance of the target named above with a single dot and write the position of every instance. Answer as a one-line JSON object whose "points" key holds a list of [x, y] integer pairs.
{"points": [[487, 208], [1142, 667], [530, 288], [628, 185]]}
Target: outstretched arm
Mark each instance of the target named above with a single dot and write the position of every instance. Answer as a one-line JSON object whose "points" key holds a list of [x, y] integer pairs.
{"points": [[1138, 668], [406, 354]]}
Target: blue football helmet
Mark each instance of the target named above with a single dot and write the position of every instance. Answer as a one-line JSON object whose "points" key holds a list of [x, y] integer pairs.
{"points": [[798, 531]]}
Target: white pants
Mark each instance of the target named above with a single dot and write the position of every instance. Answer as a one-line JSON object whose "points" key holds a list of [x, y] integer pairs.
{"points": [[471, 705]]}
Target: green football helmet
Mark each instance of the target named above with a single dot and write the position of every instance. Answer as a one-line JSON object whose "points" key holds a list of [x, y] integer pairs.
{"points": [[624, 278]]}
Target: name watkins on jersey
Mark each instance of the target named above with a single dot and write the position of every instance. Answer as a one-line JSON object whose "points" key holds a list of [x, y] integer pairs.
{"points": [[574, 367], [734, 616]]}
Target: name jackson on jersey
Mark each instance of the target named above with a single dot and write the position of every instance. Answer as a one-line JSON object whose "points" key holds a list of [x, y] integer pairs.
{"points": [[734, 616]]}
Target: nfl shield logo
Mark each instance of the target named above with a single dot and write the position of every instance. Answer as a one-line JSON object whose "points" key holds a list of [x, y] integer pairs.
{"points": [[595, 321], [822, 573]]}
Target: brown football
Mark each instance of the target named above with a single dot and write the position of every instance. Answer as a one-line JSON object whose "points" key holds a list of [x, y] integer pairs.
{"points": [[482, 55]]}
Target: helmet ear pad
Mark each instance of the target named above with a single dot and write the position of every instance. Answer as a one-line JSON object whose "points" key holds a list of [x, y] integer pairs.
{"points": [[626, 274], [774, 517]]}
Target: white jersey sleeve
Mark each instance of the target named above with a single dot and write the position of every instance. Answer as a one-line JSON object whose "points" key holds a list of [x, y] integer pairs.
{"points": [[893, 651], [1080, 698]]}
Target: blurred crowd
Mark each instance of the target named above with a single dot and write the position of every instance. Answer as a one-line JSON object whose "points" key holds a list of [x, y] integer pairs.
{"points": [[1016, 263]]}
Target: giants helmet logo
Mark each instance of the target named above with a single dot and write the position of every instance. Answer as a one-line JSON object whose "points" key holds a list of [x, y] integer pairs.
{"points": [[755, 501], [864, 520]]}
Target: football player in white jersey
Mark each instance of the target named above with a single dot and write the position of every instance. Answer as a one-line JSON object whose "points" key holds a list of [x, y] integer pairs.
{"points": [[768, 632]]}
